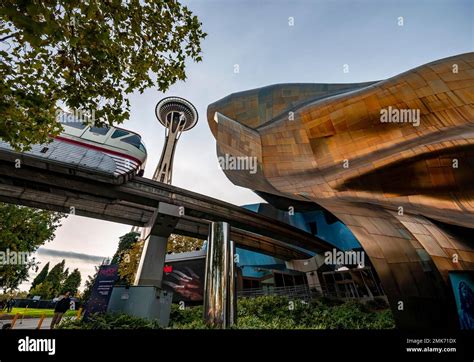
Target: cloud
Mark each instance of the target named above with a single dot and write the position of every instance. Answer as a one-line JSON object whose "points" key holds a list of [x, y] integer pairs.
{"points": [[71, 255], [85, 263]]}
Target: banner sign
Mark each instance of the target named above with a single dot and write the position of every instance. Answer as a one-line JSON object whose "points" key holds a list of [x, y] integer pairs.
{"points": [[185, 279], [102, 289]]}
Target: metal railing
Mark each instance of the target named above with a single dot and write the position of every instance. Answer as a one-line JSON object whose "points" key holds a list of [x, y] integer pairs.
{"points": [[296, 292]]}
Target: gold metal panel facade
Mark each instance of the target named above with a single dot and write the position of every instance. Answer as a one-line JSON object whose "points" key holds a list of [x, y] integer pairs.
{"points": [[405, 189]]}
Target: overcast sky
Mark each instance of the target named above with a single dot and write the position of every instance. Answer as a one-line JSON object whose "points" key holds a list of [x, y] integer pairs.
{"points": [[257, 36]]}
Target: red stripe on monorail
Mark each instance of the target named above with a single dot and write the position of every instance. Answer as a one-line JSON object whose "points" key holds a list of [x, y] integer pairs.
{"points": [[88, 145]]}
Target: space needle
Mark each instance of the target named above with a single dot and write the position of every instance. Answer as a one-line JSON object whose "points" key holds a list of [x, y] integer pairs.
{"points": [[177, 115]]}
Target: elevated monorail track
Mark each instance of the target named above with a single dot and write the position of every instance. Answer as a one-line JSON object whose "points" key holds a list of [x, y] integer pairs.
{"points": [[40, 184]]}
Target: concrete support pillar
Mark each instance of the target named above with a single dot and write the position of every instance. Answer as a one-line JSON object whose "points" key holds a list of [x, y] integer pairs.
{"points": [[310, 267], [155, 234], [220, 298], [152, 261]]}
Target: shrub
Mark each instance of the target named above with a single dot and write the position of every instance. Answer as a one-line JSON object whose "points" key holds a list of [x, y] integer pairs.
{"points": [[188, 318], [109, 321], [273, 312], [265, 312]]}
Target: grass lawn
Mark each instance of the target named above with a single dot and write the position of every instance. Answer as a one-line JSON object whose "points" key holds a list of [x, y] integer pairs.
{"points": [[35, 312]]}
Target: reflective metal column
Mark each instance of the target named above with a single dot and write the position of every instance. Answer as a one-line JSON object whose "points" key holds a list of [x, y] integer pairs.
{"points": [[219, 287]]}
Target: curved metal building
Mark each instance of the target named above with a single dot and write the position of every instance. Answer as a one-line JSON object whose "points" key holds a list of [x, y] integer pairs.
{"points": [[392, 159]]}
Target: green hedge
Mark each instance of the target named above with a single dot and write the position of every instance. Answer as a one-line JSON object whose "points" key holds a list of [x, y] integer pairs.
{"points": [[272, 312], [266, 312], [109, 321]]}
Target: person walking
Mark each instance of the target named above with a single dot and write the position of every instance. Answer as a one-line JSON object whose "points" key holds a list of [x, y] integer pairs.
{"points": [[10, 304], [62, 305]]}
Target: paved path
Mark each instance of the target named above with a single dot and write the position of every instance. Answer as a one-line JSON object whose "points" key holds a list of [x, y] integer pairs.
{"points": [[30, 323]]}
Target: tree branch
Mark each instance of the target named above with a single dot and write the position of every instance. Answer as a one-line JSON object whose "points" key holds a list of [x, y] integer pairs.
{"points": [[8, 36]]}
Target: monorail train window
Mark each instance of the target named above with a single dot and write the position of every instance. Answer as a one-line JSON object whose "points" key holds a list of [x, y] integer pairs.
{"points": [[71, 121], [77, 125], [119, 133], [99, 130], [142, 147], [134, 140]]}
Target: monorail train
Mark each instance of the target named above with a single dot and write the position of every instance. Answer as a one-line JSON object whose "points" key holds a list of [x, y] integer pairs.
{"points": [[109, 154]]}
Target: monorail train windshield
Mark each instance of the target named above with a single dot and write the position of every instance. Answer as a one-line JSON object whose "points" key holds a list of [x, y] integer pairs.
{"points": [[135, 140]]}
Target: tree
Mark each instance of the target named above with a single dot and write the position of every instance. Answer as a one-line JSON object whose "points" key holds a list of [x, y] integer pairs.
{"points": [[41, 276], [129, 262], [58, 281], [23, 229], [14, 294], [127, 257], [72, 283], [181, 244], [87, 55], [43, 290], [89, 284], [125, 243], [56, 278]]}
